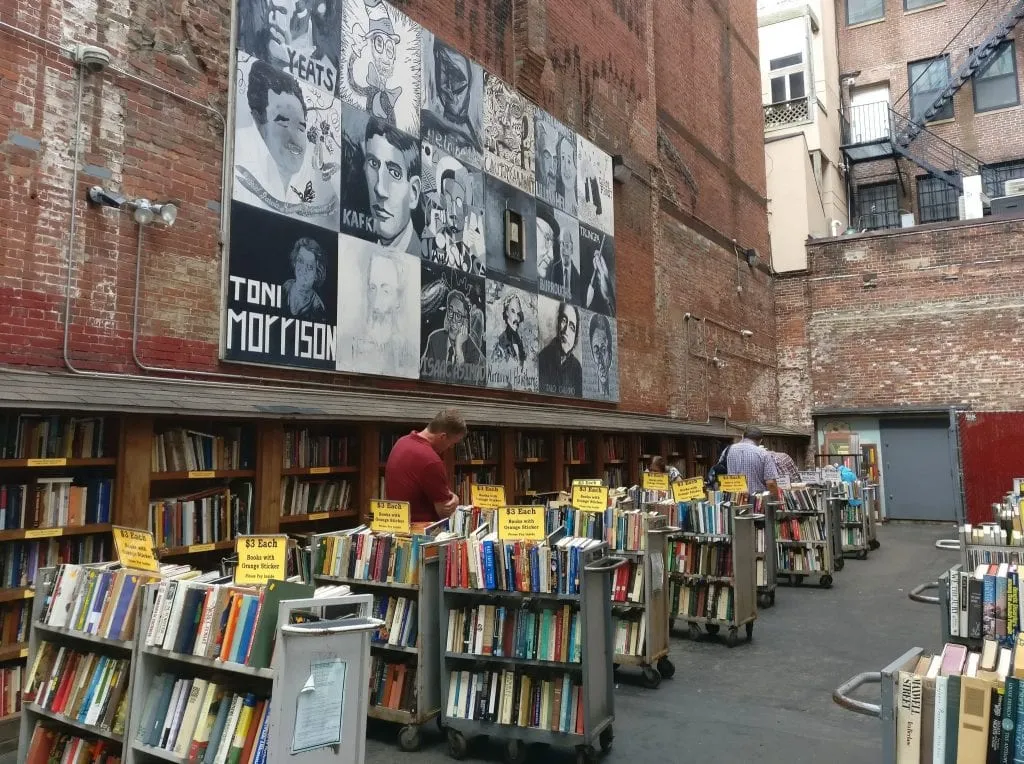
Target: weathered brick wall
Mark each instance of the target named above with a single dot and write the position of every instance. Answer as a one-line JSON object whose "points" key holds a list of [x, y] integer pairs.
{"points": [[943, 325], [600, 67]]}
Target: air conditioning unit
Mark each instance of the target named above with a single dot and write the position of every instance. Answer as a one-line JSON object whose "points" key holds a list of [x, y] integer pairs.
{"points": [[1014, 187], [906, 220]]}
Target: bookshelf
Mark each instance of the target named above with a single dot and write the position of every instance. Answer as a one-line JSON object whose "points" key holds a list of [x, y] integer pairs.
{"points": [[577, 458], [386, 436], [804, 538], [477, 459], [320, 476], [765, 558], [853, 519], [578, 668], [711, 569], [401, 574], [615, 455], [532, 465]]}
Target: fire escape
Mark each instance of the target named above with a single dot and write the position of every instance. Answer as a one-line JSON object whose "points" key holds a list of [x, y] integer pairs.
{"points": [[877, 132]]}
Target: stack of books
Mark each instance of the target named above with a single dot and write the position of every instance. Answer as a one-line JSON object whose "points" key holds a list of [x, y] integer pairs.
{"points": [[54, 502], [400, 628], [363, 555], [305, 497], [218, 514], [509, 697], [392, 685], [984, 602], [50, 745], [519, 566], [550, 634], [97, 601], [34, 436], [182, 450]]}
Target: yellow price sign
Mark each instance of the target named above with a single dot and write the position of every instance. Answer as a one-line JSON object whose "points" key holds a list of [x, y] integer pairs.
{"points": [[733, 483], [135, 549], [196, 548], [43, 533], [318, 516], [53, 462], [587, 481], [390, 516], [193, 474], [319, 470], [688, 490], [521, 523], [261, 558], [487, 496], [590, 498], [655, 481]]}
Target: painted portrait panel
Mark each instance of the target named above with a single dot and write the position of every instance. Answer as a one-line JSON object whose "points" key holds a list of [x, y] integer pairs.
{"points": [[453, 94], [600, 350], [508, 135], [594, 186], [558, 254], [597, 267], [452, 201], [511, 337], [559, 368], [556, 163], [452, 333]]}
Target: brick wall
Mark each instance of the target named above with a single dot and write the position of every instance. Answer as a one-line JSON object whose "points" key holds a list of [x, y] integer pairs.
{"points": [[601, 68], [943, 325]]}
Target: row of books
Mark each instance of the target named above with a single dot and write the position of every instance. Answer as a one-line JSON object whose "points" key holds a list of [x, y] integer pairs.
{"points": [[984, 602], [218, 514], [628, 583], [616, 474], [629, 636], [55, 502], [49, 745], [95, 601], [304, 496], [548, 634], [691, 557], [702, 600], [576, 522], [798, 499], [465, 479], [476, 445], [520, 566], [400, 627], [10, 689], [576, 448], [201, 721], [531, 446], [392, 684], [14, 621], [616, 447], [467, 519], [705, 517], [852, 536], [21, 561], [181, 450], [32, 436], [851, 514], [530, 478], [1003, 533], [363, 555], [543, 701], [83, 686], [303, 448], [761, 573], [962, 706], [800, 529], [801, 559]]}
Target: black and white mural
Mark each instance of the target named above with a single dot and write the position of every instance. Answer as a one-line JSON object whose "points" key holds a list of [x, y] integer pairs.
{"points": [[399, 211]]}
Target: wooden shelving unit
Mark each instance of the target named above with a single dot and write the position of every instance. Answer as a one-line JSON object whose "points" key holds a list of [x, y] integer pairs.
{"points": [[477, 459], [321, 476], [531, 465]]}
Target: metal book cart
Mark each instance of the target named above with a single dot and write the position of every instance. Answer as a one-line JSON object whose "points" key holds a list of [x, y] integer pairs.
{"points": [[869, 495], [830, 561], [741, 582], [765, 558], [594, 671], [885, 709], [853, 524], [653, 610], [423, 655]]}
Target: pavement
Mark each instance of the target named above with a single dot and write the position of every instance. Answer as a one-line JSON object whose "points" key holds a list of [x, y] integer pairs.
{"points": [[770, 700]]}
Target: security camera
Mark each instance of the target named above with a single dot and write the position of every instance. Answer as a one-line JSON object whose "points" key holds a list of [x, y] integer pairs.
{"points": [[92, 57], [101, 196]]}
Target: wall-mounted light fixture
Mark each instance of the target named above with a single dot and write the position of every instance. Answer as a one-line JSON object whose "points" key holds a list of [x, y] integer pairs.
{"points": [[620, 173], [143, 210]]}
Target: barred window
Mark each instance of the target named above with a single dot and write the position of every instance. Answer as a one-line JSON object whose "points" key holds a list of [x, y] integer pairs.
{"points": [[994, 176], [878, 206], [936, 200]]}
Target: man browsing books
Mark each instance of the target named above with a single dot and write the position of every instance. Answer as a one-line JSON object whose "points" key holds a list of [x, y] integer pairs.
{"points": [[746, 458], [416, 473]]}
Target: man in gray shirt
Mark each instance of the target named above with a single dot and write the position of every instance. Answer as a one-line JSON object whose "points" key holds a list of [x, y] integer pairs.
{"points": [[757, 464]]}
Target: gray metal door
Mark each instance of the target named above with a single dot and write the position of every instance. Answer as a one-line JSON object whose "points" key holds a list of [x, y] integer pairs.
{"points": [[917, 471]]}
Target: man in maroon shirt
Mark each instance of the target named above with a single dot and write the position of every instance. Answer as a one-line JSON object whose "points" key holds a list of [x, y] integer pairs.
{"points": [[415, 472]]}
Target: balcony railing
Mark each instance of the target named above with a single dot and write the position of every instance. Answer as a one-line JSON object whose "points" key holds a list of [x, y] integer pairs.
{"points": [[867, 123], [783, 113]]}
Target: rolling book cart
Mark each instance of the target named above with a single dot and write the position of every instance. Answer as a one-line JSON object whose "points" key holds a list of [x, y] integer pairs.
{"points": [[420, 593], [869, 496], [854, 528], [804, 541], [711, 570], [492, 692], [765, 562]]}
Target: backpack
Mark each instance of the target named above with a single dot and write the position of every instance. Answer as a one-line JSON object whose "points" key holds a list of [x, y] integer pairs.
{"points": [[721, 467]]}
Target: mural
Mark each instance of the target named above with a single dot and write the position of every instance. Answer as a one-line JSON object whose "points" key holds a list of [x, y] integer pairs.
{"points": [[398, 211]]}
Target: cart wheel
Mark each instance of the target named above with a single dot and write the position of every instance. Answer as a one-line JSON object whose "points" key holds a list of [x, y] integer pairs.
{"points": [[796, 580], [693, 631], [666, 668], [515, 752], [862, 554], [615, 667], [586, 754], [840, 562], [410, 738], [733, 638], [606, 738], [457, 745], [750, 630], [825, 581], [773, 599], [711, 628], [874, 543], [651, 678], [764, 600]]}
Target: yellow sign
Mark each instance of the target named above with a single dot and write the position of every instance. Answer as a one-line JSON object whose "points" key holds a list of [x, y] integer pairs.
{"points": [[688, 490], [42, 533], [733, 483], [202, 474], [525, 523], [47, 462], [590, 498], [135, 549], [261, 558], [319, 516], [655, 481], [389, 516], [23, 653], [201, 548], [587, 481], [319, 470], [487, 496]]}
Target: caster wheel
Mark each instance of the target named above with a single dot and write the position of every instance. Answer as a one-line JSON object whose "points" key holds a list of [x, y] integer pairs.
{"points": [[712, 628], [651, 678], [693, 632], [410, 738], [733, 638], [840, 562], [458, 747], [750, 631], [862, 554], [586, 754], [515, 752], [825, 582], [615, 667], [874, 544], [764, 600], [666, 668], [606, 738]]}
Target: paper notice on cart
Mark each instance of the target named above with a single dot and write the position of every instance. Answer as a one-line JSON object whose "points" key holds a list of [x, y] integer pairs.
{"points": [[320, 707], [658, 570]]}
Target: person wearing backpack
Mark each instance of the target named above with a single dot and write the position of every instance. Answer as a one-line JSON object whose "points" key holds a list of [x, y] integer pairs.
{"points": [[748, 459]]}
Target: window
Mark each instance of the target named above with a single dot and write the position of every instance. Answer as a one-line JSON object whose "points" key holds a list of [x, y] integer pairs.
{"points": [[994, 176], [859, 11], [787, 78], [927, 80], [995, 85], [936, 200], [878, 206], [913, 5]]}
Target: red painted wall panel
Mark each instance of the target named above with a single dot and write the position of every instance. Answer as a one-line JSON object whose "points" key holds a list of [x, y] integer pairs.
{"points": [[992, 455]]}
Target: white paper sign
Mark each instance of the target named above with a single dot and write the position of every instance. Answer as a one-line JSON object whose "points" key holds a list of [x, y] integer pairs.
{"points": [[320, 707]]}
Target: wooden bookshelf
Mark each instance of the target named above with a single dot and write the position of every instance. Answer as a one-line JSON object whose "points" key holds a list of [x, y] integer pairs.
{"points": [[477, 459], [530, 464], [318, 473]]}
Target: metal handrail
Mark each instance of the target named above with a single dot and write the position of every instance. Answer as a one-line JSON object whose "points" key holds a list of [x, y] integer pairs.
{"points": [[916, 596], [841, 695]]}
